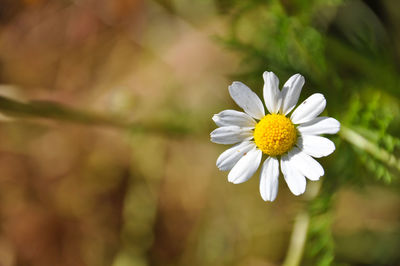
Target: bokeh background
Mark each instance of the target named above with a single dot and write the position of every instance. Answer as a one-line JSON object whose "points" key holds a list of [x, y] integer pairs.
{"points": [[106, 110]]}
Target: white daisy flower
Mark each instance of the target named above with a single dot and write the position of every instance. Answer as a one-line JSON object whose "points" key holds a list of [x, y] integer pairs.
{"points": [[291, 141]]}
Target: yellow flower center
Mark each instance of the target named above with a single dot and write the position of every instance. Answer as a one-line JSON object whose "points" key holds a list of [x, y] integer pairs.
{"points": [[275, 134]]}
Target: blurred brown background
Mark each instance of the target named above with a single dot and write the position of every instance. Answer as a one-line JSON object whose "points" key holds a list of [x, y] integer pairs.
{"points": [[73, 194]]}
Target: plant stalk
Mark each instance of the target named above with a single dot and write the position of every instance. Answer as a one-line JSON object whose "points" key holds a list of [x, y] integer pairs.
{"points": [[300, 228]]}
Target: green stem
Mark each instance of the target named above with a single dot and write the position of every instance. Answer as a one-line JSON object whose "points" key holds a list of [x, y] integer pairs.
{"points": [[361, 142], [300, 228], [297, 240], [55, 111], [51, 110]]}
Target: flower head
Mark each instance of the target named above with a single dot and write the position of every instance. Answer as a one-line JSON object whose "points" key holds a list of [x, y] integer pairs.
{"points": [[289, 142]]}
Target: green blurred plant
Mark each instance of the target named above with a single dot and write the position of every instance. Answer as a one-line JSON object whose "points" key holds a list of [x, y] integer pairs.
{"points": [[165, 125]]}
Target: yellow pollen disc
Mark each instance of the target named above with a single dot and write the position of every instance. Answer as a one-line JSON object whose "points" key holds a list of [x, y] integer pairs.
{"points": [[275, 134]]}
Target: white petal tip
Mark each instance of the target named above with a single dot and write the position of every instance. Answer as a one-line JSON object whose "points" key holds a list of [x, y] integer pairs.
{"points": [[223, 168], [232, 181], [215, 118], [234, 84], [299, 76], [337, 129], [268, 199], [235, 181], [317, 178], [266, 74], [298, 193]]}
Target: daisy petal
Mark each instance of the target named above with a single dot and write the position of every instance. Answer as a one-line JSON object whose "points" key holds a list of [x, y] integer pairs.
{"points": [[231, 156], [245, 167], [309, 109], [269, 179], [291, 92], [272, 94], [295, 180], [320, 125], [233, 118], [231, 134], [305, 164], [315, 146], [247, 99]]}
